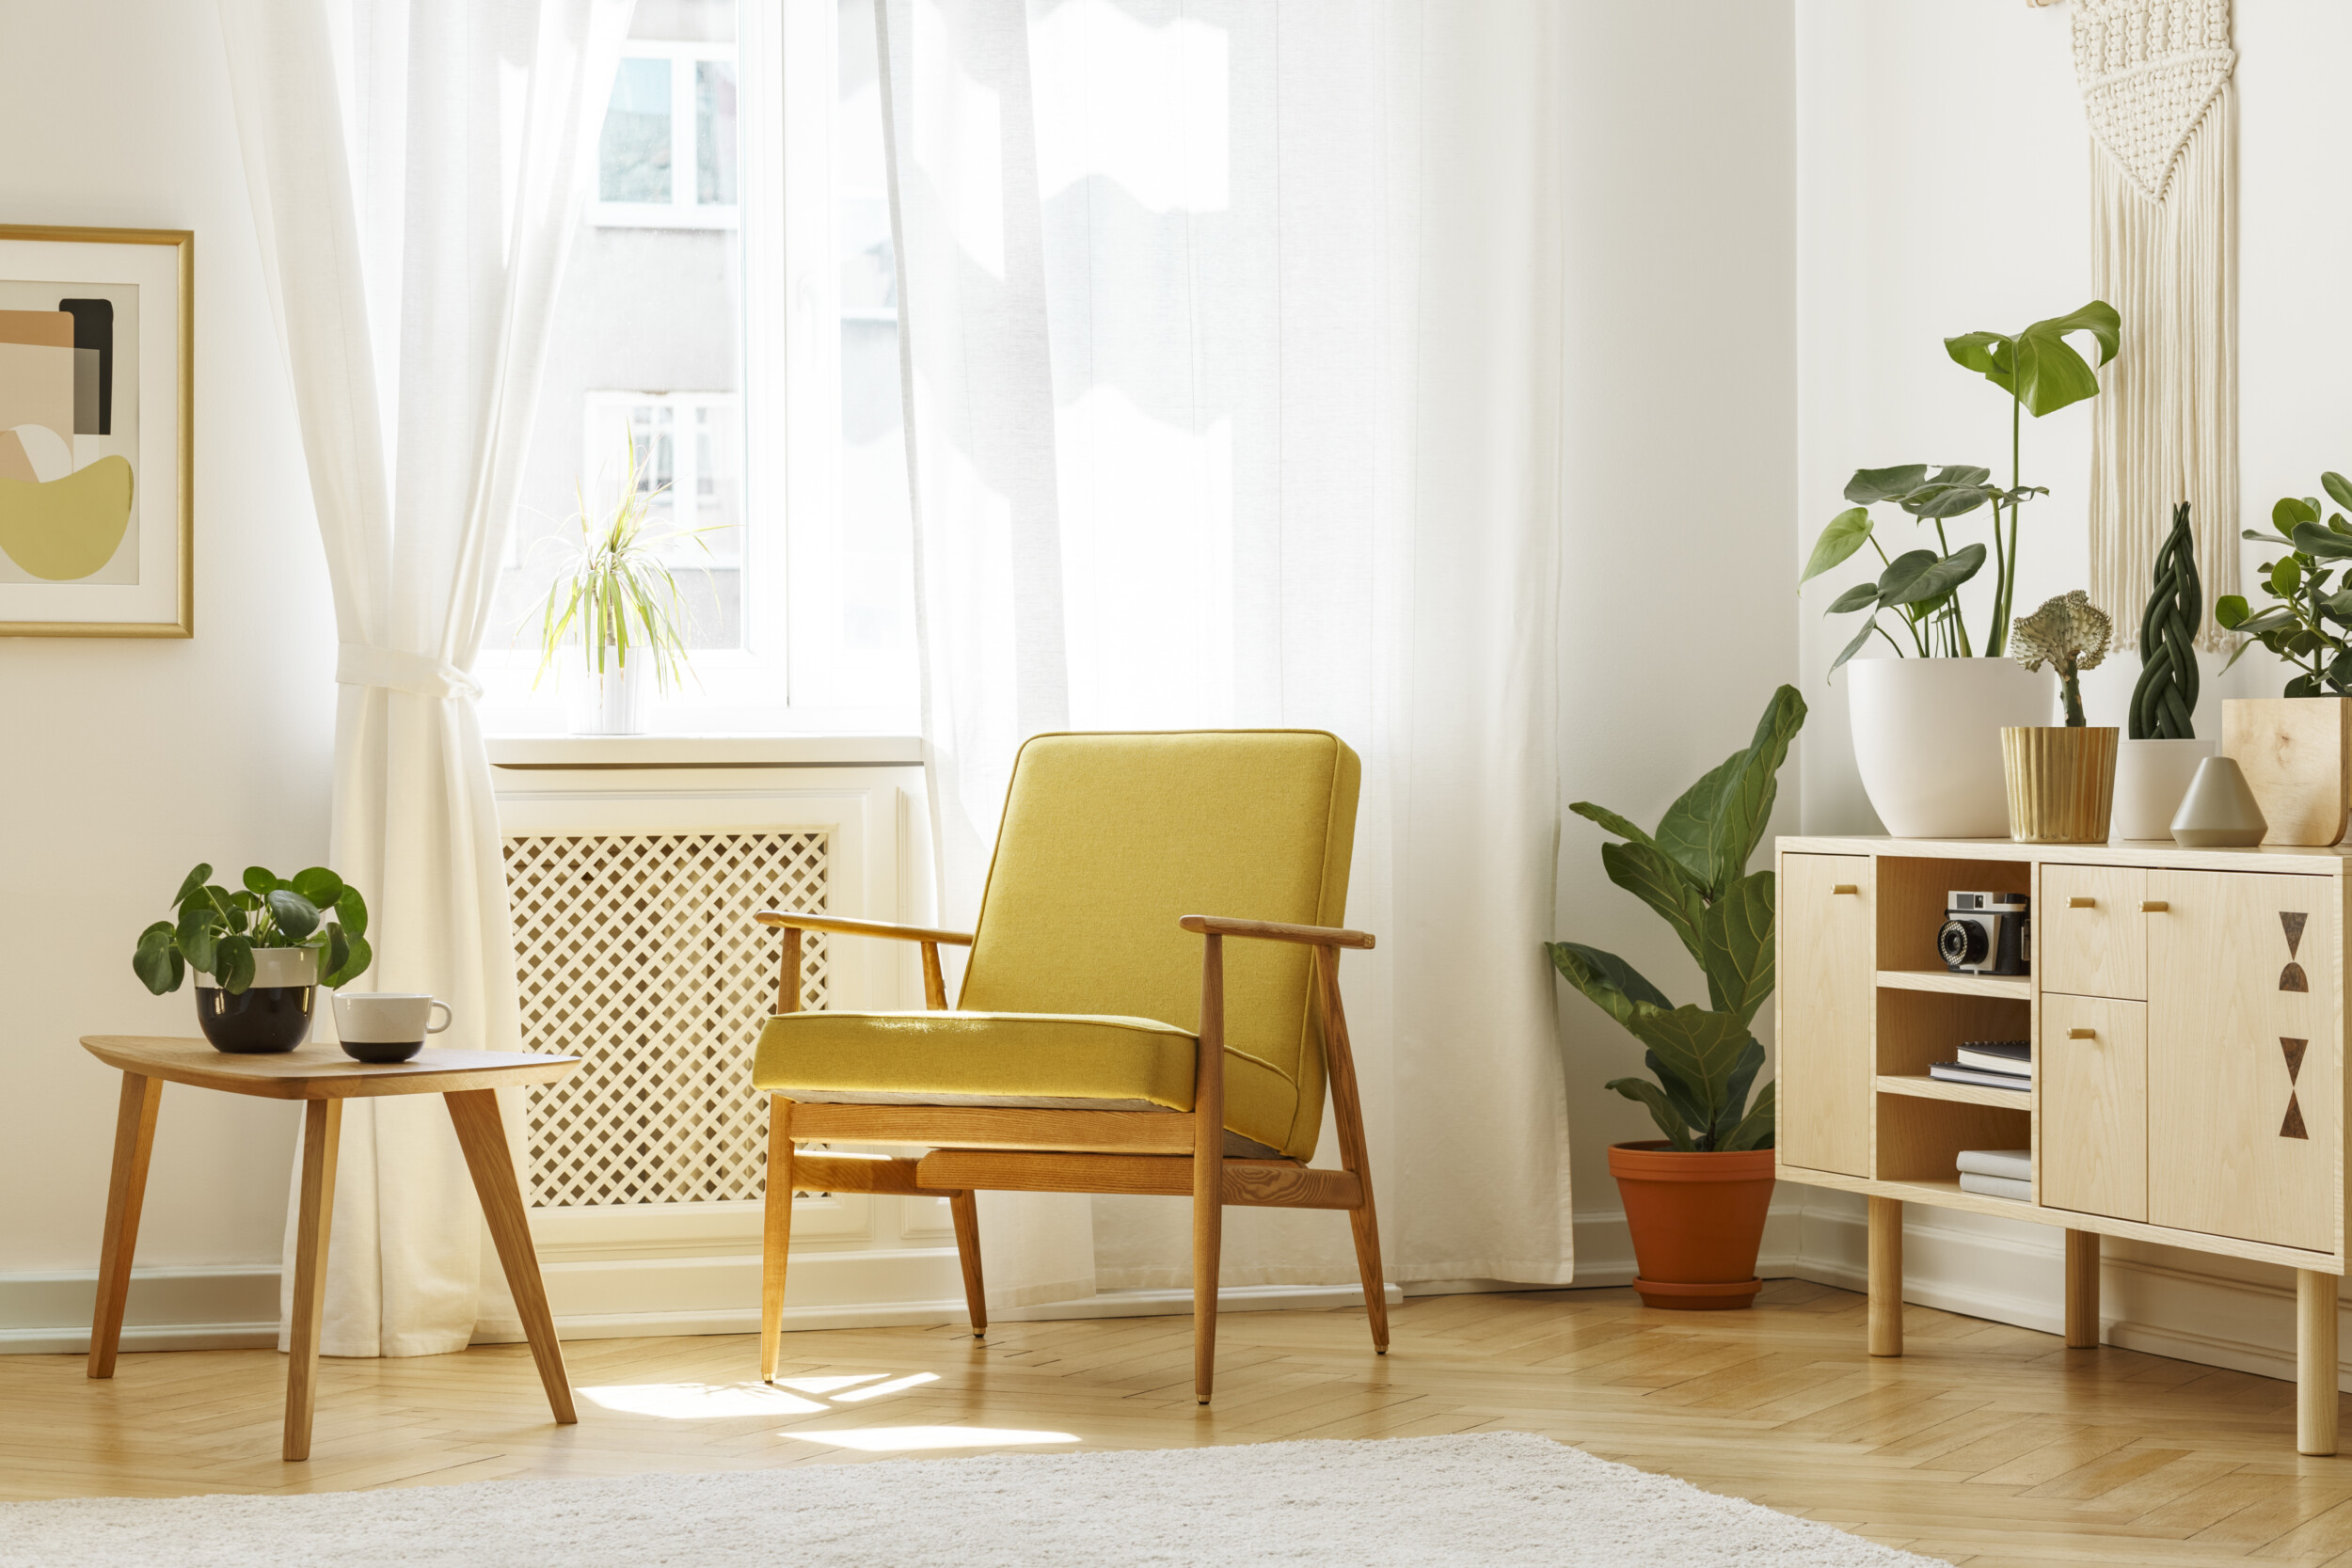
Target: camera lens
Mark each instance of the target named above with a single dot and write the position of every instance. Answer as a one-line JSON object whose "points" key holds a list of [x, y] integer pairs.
{"points": [[1960, 941]]}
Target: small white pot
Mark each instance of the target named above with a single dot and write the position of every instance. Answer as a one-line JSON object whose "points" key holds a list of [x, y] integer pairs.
{"points": [[612, 703], [1927, 738], [2151, 779]]}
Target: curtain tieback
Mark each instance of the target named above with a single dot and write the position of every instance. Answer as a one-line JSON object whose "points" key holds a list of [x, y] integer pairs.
{"points": [[398, 669]]}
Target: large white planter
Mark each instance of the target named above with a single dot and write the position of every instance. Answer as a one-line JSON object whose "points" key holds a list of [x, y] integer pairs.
{"points": [[2151, 777], [1926, 737]]}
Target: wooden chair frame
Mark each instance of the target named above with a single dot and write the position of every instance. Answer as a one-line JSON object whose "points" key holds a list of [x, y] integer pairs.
{"points": [[1171, 1154]]}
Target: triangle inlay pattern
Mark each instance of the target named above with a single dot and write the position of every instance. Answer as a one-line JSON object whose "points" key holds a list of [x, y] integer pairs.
{"points": [[2295, 1050], [2293, 1126], [2293, 924]]}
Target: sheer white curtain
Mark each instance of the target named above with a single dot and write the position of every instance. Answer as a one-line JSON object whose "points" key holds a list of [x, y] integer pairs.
{"points": [[416, 168], [1232, 336]]}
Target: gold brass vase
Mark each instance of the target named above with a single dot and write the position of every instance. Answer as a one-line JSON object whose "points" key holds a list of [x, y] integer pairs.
{"points": [[2061, 782]]}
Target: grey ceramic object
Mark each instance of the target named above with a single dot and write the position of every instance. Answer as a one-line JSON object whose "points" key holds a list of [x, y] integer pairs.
{"points": [[2218, 811]]}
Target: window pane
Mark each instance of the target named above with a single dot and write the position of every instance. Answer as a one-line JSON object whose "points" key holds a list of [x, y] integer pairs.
{"points": [[634, 161], [714, 132]]}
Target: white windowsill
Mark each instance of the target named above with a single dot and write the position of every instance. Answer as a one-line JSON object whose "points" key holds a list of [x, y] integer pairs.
{"points": [[705, 751]]}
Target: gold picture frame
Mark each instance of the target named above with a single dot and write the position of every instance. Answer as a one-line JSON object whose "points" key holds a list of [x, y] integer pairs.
{"points": [[97, 437]]}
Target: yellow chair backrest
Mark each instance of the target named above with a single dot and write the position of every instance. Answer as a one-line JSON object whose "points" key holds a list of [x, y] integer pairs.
{"points": [[1107, 839]]}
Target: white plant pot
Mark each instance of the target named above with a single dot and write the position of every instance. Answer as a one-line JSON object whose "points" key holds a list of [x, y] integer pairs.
{"points": [[1927, 738], [2151, 779], [612, 703]]}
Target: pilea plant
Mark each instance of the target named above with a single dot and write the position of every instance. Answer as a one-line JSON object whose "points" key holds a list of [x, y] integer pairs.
{"points": [[2307, 625], [2041, 372], [216, 931], [2164, 703], [1693, 872]]}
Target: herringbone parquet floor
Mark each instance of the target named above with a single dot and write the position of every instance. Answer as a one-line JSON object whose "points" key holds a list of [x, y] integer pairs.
{"points": [[1985, 1445]]}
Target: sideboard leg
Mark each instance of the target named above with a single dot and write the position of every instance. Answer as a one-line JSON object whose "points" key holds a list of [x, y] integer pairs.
{"points": [[2082, 1290], [2314, 1362], [1886, 1276]]}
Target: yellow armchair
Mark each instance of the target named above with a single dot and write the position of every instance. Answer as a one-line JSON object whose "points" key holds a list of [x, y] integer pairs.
{"points": [[1104, 1041]]}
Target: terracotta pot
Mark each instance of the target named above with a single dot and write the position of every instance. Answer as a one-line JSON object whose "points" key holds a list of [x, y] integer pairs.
{"points": [[1697, 1220]]}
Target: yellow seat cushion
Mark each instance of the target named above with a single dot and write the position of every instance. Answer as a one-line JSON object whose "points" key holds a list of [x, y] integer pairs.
{"points": [[940, 1059]]}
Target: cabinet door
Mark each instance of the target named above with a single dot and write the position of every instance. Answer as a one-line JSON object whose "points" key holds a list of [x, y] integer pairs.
{"points": [[2245, 1069], [1827, 997], [2092, 934], [2094, 1066]]}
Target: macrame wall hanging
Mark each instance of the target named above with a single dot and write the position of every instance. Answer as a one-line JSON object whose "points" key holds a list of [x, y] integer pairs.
{"points": [[2155, 76]]}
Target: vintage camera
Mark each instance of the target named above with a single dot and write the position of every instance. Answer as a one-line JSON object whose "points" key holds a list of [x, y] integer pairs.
{"points": [[1985, 933]]}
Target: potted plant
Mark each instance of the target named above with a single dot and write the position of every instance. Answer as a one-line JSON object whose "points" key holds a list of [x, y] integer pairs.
{"points": [[267, 947], [616, 589], [2160, 752], [1696, 1199], [2062, 778], [1925, 721]]}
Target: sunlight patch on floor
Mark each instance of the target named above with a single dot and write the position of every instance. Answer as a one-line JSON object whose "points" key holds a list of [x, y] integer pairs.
{"points": [[879, 1389]]}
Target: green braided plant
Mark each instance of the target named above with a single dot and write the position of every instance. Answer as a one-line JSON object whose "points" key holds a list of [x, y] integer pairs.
{"points": [[2165, 697]]}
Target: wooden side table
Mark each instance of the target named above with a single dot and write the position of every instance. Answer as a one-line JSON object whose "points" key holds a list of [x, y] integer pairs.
{"points": [[322, 1077]]}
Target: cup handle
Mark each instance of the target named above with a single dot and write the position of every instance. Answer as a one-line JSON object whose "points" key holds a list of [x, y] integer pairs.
{"points": [[447, 1017]]}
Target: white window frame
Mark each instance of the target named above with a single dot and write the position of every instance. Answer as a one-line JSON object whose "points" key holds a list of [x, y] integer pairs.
{"points": [[681, 211], [599, 456]]}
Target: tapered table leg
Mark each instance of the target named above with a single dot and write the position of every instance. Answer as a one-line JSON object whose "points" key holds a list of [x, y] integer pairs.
{"points": [[475, 1112], [2314, 1362], [126, 1191], [1886, 1276], [2082, 1290], [321, 1132]]}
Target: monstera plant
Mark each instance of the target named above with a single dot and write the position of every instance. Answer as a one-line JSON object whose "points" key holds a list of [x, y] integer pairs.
{"points": [[1697, 1226]]}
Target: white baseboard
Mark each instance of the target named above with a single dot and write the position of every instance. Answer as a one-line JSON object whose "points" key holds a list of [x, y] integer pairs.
{"points": [[223, 1307]]}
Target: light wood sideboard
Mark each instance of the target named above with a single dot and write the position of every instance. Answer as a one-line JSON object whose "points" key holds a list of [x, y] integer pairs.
{"points": [[2186, 1012]]}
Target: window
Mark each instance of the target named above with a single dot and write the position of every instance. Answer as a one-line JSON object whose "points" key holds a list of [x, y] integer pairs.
{"points": [[740, 326]]}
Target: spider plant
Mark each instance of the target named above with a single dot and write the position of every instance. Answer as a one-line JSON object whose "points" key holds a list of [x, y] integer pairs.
{"points": [[616, 589]]}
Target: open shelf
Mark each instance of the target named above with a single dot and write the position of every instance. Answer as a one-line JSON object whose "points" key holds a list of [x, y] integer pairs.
{"points": [[1925, 1087], [2016, 988], [1947, 1194]]}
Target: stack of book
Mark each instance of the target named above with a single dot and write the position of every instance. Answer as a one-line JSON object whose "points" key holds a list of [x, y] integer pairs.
{"points": [[1998, 1172], [1991, 1064]]}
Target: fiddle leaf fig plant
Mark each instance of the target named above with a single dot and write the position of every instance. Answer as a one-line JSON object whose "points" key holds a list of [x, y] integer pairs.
{"points": [[214, 929], [1693, 871]]}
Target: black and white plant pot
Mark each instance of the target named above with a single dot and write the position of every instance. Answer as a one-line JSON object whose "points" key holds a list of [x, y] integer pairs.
{"points": [[271, 1015]]}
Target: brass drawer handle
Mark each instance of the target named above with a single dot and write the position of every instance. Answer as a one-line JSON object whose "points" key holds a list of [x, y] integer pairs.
{"points": [[2082, 1034], [2152, 906], [1843, 887], [2081, 903]]}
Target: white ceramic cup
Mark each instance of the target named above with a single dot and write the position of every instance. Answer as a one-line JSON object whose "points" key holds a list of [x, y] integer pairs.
{"points": [[387, 1025]]}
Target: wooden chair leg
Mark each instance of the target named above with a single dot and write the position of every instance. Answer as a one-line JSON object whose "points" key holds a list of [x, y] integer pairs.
{"points": [[322, 1134], [1348, 1107], [482, 1136], [776, 1243], [126, 1192], [1208, 1166], [1367, 1227], [965, 1210]]}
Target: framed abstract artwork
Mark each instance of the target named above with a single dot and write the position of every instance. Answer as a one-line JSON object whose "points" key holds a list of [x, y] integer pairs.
{"points": [[97, 519]]}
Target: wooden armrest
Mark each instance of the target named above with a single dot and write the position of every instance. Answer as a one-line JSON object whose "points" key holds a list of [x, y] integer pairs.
{"points": [[795, 920], [1275, 930]]}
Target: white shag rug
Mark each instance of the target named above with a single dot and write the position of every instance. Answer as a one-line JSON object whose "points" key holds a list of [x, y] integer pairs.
{"points": [[1487, 1498]]}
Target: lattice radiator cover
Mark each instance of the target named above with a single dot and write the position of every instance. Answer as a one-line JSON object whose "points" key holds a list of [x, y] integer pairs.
{"points": [[638, 951]]}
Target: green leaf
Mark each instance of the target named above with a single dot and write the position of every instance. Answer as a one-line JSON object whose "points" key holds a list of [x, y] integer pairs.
{"points": [[234, 964], [1860, 596], [156, 961], [1644, 871], [198, 934], [1855, 646], [1902, 571], [194, 879], [1743, 1073], [1661, 1109], [1612, 984], [1685, 1099], [1871, 486], [1756, 1129], [1620, 826], [1744, 803], [2229, 610], [1941, 577], [1736, 937], [1945, 501], [2039, 367], [1846, 534], [294, 915], [1688, 826], [260, 882], [2323, 544], [1701, 1048], [336, 954], [2287, 511], [355, 960], [321, 886], [1959, 473], [352, 910], [2286, 576]]}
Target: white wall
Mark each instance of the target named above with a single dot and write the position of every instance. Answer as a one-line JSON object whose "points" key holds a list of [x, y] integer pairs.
{"points": [[1943, 185], [126, 761], [1677, 593]]}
